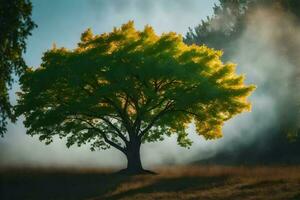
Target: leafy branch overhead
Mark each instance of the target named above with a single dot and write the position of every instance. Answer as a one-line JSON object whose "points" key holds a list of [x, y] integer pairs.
{"points": [[16, 26], [130, 85]]}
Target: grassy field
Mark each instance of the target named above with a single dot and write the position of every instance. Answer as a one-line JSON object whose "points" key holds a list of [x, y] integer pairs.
{"points": [[181, 182]]}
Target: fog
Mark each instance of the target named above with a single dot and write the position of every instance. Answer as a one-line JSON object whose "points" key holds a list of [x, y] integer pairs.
{"points": [[266, 53], [263, 54]]}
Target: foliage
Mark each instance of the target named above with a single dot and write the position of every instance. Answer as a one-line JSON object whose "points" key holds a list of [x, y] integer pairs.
{"points": [[130, 85], [16, 25], [222, 28]]}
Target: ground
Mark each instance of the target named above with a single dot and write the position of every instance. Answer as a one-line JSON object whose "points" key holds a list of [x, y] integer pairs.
{"points": [[180, 182]]}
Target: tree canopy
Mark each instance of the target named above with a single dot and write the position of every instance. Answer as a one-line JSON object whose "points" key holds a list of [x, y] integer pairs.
{"points": [[127, 87], [16, 26]]}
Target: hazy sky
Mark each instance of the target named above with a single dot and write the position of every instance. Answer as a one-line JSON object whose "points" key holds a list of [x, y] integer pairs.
{"points": [[62, 22]]}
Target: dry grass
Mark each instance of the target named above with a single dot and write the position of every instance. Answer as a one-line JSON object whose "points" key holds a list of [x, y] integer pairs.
{"points": [[181, 182]]}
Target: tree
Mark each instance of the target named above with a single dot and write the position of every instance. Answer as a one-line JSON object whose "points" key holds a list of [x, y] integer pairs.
{"points": [[128, 87], [16, 26], [220, 30], [229, 21]]}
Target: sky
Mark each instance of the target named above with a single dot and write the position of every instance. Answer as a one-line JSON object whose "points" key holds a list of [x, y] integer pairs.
{"points": [[62, 22]]}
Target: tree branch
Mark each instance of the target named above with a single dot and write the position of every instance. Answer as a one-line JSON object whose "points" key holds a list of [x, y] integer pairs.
{"points": [[118, 131], [160, 114], [122, 149], [122, 114]]}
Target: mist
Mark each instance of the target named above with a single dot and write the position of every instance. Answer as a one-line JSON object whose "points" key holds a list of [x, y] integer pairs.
{"points": [[266, 53]]}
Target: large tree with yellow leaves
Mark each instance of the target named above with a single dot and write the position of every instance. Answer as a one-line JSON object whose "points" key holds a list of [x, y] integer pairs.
{"points": [[128, 87]]}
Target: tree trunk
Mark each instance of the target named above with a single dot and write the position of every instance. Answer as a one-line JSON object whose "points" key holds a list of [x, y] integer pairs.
{"points": [[134, 164]]}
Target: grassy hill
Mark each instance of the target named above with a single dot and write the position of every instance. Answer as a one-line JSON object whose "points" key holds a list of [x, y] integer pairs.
{"points": [[181, 182]]}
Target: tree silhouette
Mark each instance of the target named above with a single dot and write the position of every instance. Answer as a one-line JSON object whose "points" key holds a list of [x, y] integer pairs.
{"points": [[16, 25], [229, 22], [128, 87]]}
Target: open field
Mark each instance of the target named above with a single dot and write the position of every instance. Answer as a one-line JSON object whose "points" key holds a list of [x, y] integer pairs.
{"points": [[182, 182]]}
